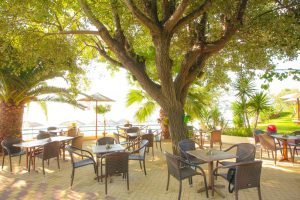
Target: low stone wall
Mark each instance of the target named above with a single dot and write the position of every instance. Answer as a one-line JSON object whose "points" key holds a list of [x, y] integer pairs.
{"points": [[235, 139]]}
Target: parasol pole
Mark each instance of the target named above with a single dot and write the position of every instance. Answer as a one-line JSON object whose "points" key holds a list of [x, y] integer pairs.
{"points": [[298, 108], [96, 119]]}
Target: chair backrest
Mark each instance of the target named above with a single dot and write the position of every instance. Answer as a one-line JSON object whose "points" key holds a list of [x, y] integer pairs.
{"points": [[173, 164], [245, 152], [186, 145], [71, 150], [215, 136], [72, 132], [150, 138], [142, 149], [106, 140], [43, 135], [248, 175], [51, 150], [8, 143], [116, 163], [52, 128], [127, 125], [157, 135], [267, 142], [77, 142], [257, 132], [296, 133], [133, 130]]}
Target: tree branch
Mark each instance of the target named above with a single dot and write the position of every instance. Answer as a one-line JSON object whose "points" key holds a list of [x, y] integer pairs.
{"points": [[192, 15], [174, 18], [154, 27], [76, 32]]}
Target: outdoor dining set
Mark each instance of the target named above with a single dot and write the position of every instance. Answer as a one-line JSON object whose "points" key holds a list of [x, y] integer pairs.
{"points": [[112, 154]]}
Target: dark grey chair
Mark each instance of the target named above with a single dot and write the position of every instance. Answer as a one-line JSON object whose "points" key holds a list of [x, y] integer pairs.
{"points": [[77, 142], [157, 138], [180, 169], [106, 140], [116, 163], [189, 145], [247, 175], [257, 132], [43, 135], [11, 151], [294, 145], [48, 151], [150, 138], [88, 160], [140, 154]]}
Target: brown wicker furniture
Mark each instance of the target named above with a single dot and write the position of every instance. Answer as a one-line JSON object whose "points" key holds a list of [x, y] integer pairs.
{"points": [[180, 169], [10, 150], [215, 137], [140, 154], [268, 143], [43, 135], [247, 175], [49, 150], [116, 163], [88, 159], [256, 133], [189, 145], [150, 138]]}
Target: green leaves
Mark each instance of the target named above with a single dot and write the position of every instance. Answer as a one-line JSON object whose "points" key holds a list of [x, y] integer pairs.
{"points": [[102, 109]]}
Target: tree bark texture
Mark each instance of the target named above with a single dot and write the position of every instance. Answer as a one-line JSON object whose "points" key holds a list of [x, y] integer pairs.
{"points": [[164, 124], [11, 119]]}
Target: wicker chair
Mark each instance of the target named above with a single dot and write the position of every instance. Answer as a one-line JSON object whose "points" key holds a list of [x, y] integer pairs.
{"points": [[49, 150], [118, 137], [116, 163], [294, 145], [72, 132], [157, 138], [88, 160], [150, 138], [140, 154], [268, 143], [189, 145], [247, 175], [245, 152], [43, 135], [10, 150], [256, 133], [106, 140], [180, 169], [215, 137]]}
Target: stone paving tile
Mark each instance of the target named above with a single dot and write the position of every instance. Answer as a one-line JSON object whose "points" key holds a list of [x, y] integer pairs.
{"points": [[278, 182]]}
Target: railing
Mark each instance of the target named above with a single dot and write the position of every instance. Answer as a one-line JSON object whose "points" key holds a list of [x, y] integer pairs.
{"points": [[87, 130]]}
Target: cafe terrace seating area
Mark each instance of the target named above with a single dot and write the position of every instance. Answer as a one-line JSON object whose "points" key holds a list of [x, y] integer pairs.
{"points": [[278, 181]]}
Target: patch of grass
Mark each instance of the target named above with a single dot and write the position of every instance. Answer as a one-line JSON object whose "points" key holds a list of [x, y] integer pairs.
{"points": [[242, 132], [284, 124]]}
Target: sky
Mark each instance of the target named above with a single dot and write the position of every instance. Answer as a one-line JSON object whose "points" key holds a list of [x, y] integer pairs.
{"points": [[116, 88]]}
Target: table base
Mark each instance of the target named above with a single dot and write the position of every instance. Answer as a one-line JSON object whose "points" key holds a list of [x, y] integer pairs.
{"points": [[202, 189]]}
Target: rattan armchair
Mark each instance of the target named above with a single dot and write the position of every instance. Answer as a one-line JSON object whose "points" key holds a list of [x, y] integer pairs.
{"points": [[11, 151], [268, 143], [88, 159], [157, 138], [216, 137], [189, 145], [48, 151], [116, 163], [43, 135], [140, 154], [247, 175], [150, 138], [180, 169]]}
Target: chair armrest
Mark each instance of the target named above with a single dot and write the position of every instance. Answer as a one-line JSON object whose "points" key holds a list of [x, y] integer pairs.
{"points": [[233, 146], [90, 155], [6, 149]]}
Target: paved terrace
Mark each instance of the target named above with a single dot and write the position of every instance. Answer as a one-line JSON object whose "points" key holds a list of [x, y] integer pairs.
{"points": [[278, 182]]}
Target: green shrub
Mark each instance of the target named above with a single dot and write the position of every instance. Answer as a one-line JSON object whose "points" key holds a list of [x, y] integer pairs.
{"points": [[243, 132]]}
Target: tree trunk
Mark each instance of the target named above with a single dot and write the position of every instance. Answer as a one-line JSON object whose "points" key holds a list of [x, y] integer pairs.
{"points": [[256, 120], [164, 124], [11, 119], [178, 129]]}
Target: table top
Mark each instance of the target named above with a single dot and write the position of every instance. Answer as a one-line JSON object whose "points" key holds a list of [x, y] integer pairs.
{"points": [[97, 149], [37, 143], [288, 137], [210, 155]]}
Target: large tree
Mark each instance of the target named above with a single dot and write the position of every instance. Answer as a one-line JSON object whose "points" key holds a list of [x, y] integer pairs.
{"points": [[180, 39]]}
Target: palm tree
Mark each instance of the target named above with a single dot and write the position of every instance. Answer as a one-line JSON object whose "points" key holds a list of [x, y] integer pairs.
{"points": [[18, 89], [258, 103]]}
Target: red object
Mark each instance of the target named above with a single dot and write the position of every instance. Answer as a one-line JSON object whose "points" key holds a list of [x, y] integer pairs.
{"points": [[271, 128]]}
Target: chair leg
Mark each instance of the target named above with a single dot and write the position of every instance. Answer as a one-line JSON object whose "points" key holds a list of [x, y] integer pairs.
{"points": [[72, 176], [101, 170], [275, 157], [105, 184], [48, 162], [180, 187], [160, 145], [168, 181], [10, 163], [205, 184], [268, 154], [127, 176], [3, 157], [20, 160], [30, 160], [259, 193], [140, 164], [43, 167], [236, 195], [272, 155], [260, 153], [58, 163], [152, 153], [144, 165]]}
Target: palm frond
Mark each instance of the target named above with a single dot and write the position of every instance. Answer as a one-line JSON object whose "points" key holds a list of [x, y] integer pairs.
{"points": [[134, 96], [145, 111]]}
